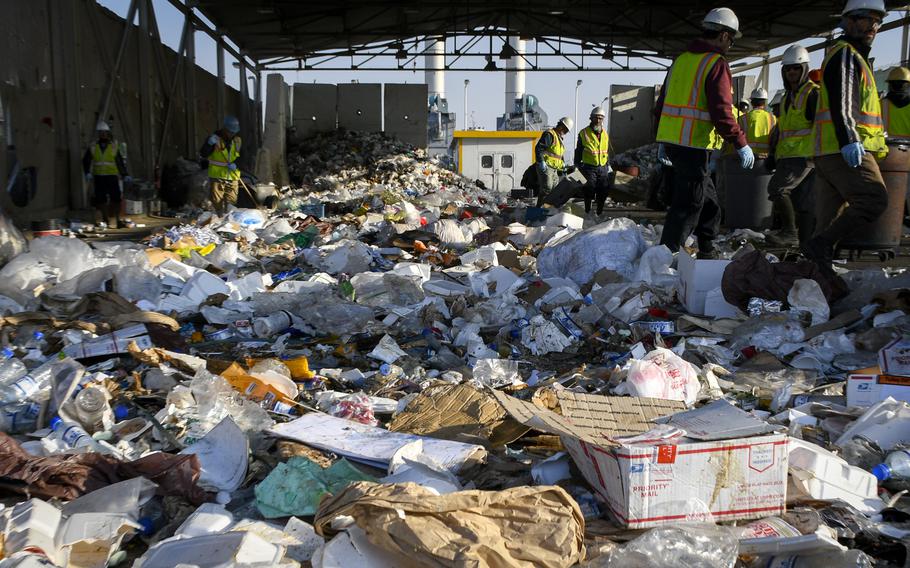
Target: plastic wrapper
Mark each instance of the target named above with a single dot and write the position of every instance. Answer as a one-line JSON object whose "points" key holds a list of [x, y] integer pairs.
{"points": [[497, 373], [684, 546], [663, 374], [807, 296], [768, 332], [760, 306], [356, 407], [12, 243]]}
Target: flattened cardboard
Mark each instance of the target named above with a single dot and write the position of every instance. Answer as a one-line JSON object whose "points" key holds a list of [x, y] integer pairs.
{"points": [[719, 420]]}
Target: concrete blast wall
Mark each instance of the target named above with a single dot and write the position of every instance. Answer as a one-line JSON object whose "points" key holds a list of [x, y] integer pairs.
{"points": [[53, 75]]}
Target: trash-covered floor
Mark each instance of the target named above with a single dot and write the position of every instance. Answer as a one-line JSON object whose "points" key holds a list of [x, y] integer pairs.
{"points": [[398, 367]]}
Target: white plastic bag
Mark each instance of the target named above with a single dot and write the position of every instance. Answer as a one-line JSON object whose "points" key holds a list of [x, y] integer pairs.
{"points": [[614, 245], [663, 374], [807, 296]]}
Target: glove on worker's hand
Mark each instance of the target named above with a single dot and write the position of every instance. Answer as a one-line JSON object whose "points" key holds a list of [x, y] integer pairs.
{"points": [[746, 157], [853, 154]]}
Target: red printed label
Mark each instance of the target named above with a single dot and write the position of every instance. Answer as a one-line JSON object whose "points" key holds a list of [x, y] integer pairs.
{"points": [[666, 454]]}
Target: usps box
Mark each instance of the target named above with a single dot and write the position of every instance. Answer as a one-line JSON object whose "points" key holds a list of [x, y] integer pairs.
{"points": [[696, 279], [894, 358], [866, 389], [647, 481]]}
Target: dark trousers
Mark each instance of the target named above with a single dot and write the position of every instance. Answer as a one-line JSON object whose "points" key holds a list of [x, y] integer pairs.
{"points": [[693, 201], [862, 188], [598, 183]]}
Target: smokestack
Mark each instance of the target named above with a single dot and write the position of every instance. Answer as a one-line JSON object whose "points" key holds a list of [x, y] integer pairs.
{"points": [[515, 74], [435, 59]]}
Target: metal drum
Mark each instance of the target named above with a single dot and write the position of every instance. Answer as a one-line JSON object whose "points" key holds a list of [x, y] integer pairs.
{"points": [[746, 200]]}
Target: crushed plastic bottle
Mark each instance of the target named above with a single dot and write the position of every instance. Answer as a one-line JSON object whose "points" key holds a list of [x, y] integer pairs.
{"points": [[19, 418], [10, 367], [896, 466], [73, 435], [272, 324], [34, 347], [28, 385], [835, 559]]}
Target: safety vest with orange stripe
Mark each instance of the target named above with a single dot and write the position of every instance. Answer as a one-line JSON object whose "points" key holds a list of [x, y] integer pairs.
{"points": [[869, 125], [795, 131], [553, 155], [684, 117], [594, 147], [221, 159], [757, 124], [897, 119]]}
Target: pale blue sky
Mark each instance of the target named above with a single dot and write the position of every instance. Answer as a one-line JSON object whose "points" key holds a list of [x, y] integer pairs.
{"points": [[556, 90]]}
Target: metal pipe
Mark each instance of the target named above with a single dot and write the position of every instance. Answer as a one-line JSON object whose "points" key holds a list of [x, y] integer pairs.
{"points": [[515, 74], [466, 83], [190, 88], [145, 88], [219, 92], [435, 61], [577, 86]]}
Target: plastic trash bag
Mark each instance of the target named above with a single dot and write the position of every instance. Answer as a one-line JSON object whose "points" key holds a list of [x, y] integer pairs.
{"points": [[614, 245], [684, 546], [663, 374], [654, 267], [807, 296], [248, 218], [12, 243], [356, 407], [497, 373]]}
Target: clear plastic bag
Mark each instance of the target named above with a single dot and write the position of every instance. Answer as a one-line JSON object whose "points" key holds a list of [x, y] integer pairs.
{"points": [[12, 243], [684, 546], [356, 407]]}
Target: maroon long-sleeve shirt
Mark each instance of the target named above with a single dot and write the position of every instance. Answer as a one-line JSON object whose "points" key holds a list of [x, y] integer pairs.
{"points": [[719, 91]]}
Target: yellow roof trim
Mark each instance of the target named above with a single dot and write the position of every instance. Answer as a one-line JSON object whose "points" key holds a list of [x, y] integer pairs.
{"points": [[532, 134]]}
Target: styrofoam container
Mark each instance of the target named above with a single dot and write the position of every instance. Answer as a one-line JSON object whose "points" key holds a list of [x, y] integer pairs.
{"points": [[209, 518], [33, 523], [212, 551], [816, 472]]}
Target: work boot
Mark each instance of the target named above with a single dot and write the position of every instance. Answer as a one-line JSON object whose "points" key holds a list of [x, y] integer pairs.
{"points": [[820, 251], [587, 206]]}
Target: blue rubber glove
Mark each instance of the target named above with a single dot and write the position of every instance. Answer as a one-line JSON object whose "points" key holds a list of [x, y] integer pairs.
{"points": [[662, 155], [609, 169], [232, 166], [746, 157], [213, 140], [542, 167], [88, 177], [127, 179], [853, 154]]}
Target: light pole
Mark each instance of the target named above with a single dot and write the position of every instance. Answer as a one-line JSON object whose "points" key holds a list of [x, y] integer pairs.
{"points": [[465, 109], [577, 86]]}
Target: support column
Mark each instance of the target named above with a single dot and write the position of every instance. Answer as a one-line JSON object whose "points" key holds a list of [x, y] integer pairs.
{"points": [[67, 17], [147, 108], [258, 99], [764, 76], [219, 94], [905, 41], [189, 70], [244, 114]]}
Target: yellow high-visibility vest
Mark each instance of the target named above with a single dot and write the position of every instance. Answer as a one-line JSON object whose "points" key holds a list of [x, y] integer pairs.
{"points": [[869, 127], [897, 120], [594, 147], [795, 140], [684, 118], [104, 162], [553, 156], [757, 124], [221, 159]]}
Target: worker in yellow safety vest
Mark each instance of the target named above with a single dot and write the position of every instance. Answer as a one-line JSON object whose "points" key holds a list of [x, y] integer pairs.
{"points": [[848, 135], [896, 104], [695, 101], [104, 163], [592, 158], [222, 150], [549, 155], [791, 186], [758, 123]]}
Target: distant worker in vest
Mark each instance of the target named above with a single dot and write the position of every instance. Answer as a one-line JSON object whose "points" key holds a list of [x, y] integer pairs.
{"points": [[896, 105], [104, 164], [791, 187], [549, 154], [848, 134], [697, 98], [758, 123], [222, 150], [592, 158]]}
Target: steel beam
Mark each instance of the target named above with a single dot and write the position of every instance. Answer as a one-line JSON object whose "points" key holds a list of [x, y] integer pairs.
{"points": [[189, 71], [219, 92], [146, 103], [114, 72]]}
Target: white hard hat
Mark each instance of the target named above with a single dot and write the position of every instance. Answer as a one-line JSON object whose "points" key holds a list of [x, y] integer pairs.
{"points": [[759, 94], [598, 111], [795, 55], [102, 127], [870, 5], [567, 122], [721, 18]]}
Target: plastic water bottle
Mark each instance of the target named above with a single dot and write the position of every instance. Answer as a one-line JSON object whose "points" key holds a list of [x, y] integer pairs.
{"points": [[896, 466], [28, 385], [270, 325], [72, 434], [34, 347], [10, 367], [91, 405], [19, 418]]}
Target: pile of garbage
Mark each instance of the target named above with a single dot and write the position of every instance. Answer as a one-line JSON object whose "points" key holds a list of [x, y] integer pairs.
{"points": [[424, 380]]}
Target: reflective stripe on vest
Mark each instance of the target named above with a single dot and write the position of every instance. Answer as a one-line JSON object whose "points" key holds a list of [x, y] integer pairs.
{"points": [[896, 119], [221, 159], [594, 148], [684, 118], [104, 162], [795, 139], [757, 124], [869, 127], [553, 155]]}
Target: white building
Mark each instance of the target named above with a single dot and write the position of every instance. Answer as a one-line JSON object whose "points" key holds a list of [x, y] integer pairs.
{"points": [[498, 159]]}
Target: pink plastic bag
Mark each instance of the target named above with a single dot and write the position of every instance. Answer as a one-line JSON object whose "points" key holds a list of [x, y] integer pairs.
{"points": [[663, 374], [356, 407]]}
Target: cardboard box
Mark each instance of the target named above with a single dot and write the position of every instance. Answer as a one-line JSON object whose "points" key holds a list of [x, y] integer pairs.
{"points": [[697, 278], [894, 358], [868, 388], [651, 481]]}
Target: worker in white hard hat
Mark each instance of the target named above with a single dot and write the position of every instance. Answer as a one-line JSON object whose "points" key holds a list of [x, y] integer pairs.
{"points": [[848, 135], [222, 150], [549, 155], [758, 124], [592, 158], [695, 115], [896, 104], [104, 164], [791, 188]]}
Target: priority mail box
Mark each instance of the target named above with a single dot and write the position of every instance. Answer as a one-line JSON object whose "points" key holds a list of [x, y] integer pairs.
{"points": [[716, 462], [868, 388], [894, 358]]}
